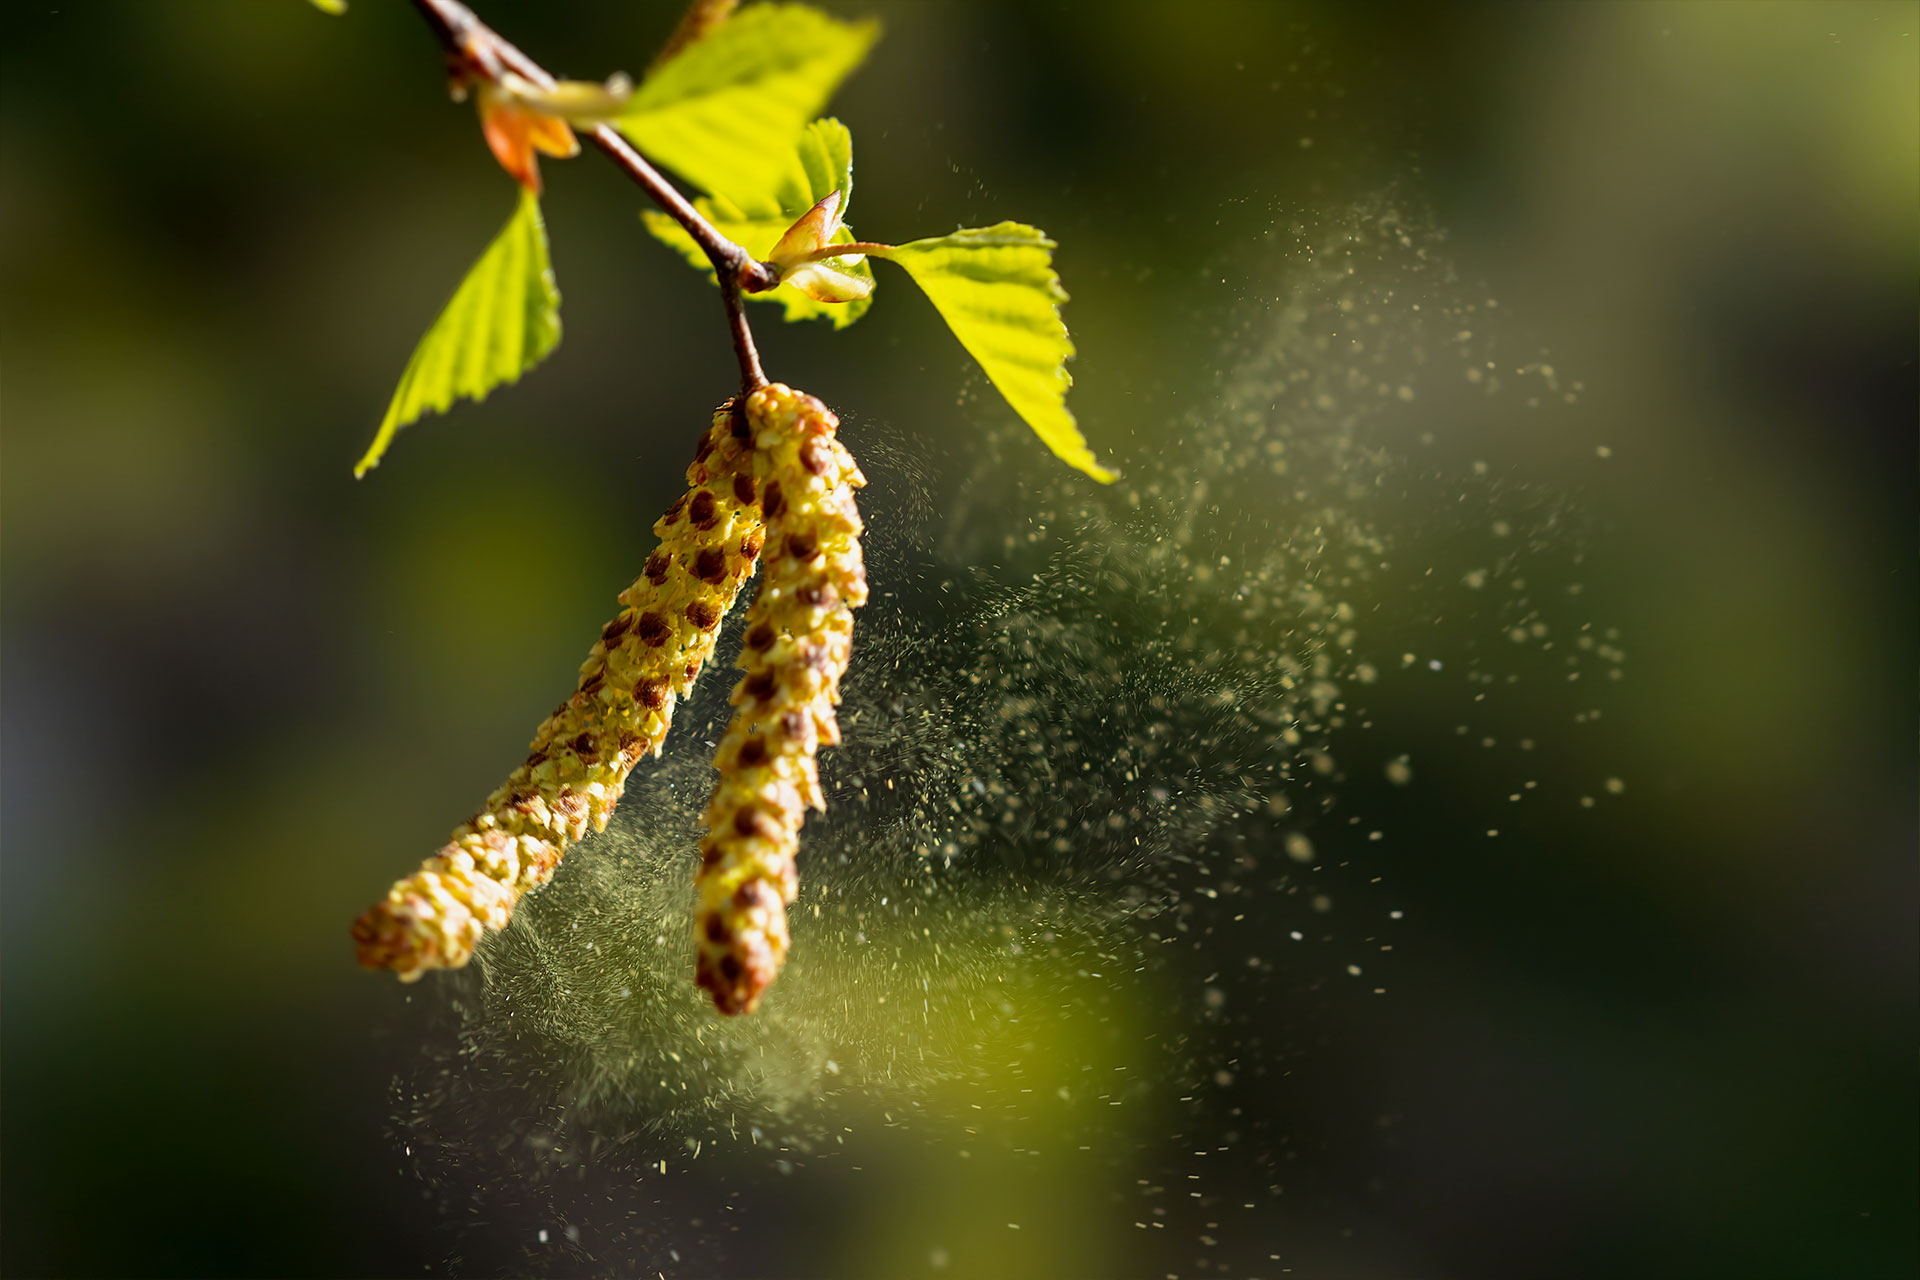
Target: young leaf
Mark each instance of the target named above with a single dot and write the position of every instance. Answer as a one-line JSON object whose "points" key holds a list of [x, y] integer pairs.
{"points": [[827, 281], [812, 230], [724, 112], [996, 289], [757, 237], [821, 165], [582, 102], [520, 117], [502, 321], [514, 132]]}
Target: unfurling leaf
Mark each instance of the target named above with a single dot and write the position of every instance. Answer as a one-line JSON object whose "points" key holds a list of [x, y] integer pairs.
{"points": [[502, 321], [580, 102], [514, 131], [821, 166], [810, 231], [823, 280], [828, 281], [724, 112], [520, 117], [996, 289]]}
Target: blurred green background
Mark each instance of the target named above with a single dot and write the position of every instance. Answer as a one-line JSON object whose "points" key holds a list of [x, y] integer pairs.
{"points": [[241, 692]]}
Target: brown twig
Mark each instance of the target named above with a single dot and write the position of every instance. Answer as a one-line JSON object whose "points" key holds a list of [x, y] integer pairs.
{"points": [[752, 376], [702, 17], [476, 49]]}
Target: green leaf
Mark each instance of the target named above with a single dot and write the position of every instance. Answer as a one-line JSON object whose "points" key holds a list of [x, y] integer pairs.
{"points": [[503, 320], [724, 113], [821, 164], [996, 289]]}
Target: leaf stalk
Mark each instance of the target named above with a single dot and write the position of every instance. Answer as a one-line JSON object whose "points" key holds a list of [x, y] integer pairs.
{"points": [[849, 248]]}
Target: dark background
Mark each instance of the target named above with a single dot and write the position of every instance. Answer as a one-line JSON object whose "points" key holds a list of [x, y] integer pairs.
{"points": [[1673, 1035]]}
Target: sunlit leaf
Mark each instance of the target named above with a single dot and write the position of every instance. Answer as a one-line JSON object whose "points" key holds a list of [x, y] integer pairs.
{"points": [[724, 112], [996, 289], [503, 320], [334, 7], [820, 165]]}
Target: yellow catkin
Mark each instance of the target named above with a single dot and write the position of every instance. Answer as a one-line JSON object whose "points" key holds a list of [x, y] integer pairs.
{"points": [[799, 636], [646, 659]]}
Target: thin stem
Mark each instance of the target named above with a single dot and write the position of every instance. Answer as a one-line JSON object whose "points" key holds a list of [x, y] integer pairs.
{"points": [[752, 376], [864, 248], [702, 16], [476, 49], [728, 258]]}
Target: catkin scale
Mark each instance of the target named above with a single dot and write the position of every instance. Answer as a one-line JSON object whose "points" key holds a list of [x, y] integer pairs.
{"points": [[647, 658], [798, 639]]}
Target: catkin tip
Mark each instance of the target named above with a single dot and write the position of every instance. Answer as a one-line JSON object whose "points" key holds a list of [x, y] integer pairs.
{"points": [[645, 660], [798, 639]]}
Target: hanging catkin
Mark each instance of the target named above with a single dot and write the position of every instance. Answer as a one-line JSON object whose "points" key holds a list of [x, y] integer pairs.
{"points": [[798, 638], [645, 660]]}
